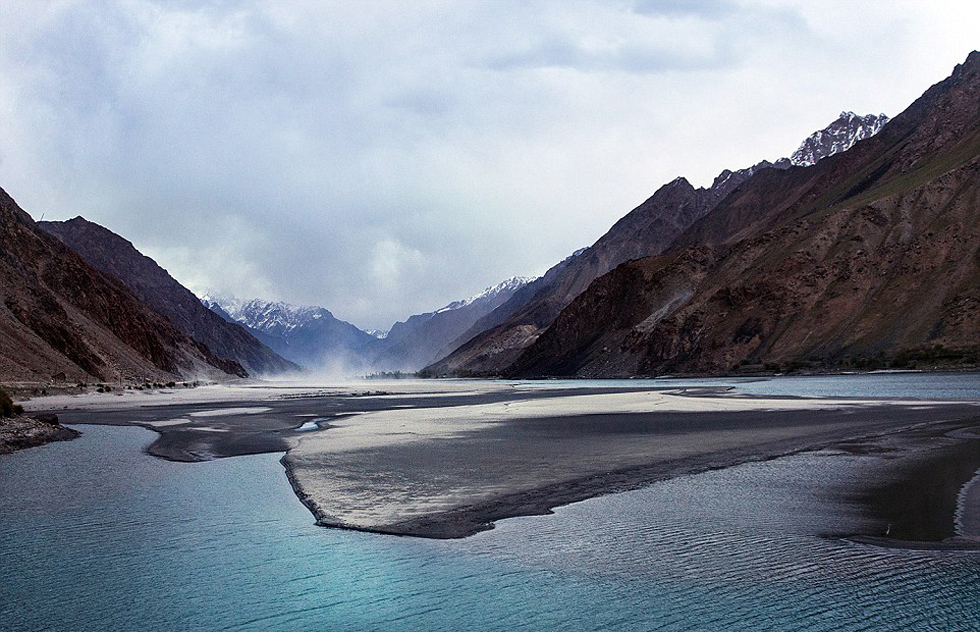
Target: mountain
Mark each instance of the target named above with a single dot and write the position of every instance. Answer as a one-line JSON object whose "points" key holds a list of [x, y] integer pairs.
{"points": [[839, 136], [63, 320], [309, 336], [313, 337], [152, 285], [424, 338], [647, 230], [867, 257]]}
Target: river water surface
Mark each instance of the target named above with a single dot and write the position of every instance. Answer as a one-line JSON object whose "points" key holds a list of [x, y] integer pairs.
{"points": [[97, 535]]}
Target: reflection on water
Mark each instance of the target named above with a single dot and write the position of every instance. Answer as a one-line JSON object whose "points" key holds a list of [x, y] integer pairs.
{"points": [[95, 535], [870, 385]]}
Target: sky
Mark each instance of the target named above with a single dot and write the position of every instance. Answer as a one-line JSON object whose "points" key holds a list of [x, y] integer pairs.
{"points": [[383, 158]]}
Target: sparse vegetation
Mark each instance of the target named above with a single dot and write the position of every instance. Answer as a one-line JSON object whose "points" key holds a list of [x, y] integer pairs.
{"points": [[795, 365], [391, 375], [7, 406], [865, 363], [936, 354]]}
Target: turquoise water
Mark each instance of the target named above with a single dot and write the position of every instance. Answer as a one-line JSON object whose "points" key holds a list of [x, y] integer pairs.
{"points": [[888, 385], [96, 535]]}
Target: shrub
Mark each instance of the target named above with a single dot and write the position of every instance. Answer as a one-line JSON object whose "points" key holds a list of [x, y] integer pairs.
{"points": [[7, 407], [795, 365]]}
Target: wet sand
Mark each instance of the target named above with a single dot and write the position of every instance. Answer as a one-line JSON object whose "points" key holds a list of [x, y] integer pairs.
{"points": [[446, 460]]}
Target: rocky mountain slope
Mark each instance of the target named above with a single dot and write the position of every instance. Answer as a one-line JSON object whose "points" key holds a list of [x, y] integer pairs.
{"points": [[647, 230], [151, 284], [868, 257], [63, 320], [423, 338], [309, 336], [839, 136]]}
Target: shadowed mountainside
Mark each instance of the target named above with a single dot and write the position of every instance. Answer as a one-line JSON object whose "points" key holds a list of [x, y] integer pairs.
{"points": [[497, 341], [869, 256], [151, 284], [61, 319]]}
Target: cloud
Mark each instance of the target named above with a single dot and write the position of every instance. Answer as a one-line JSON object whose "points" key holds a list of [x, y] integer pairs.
{"points": [[385, 158], [710, 9]]}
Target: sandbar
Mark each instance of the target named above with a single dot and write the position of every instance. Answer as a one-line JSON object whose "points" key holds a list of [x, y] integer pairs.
{"points": [[446, 459]]}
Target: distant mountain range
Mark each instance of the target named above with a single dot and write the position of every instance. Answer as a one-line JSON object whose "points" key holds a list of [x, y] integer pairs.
{"points": [[647, 230], [313, 337], [310, 336], [424, 338]]}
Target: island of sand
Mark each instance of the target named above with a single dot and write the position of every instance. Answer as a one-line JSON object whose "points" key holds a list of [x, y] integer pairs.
{"points": [[447, 459]]}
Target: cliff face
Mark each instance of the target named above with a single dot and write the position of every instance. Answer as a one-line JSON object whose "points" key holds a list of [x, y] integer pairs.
{"points": [[60, 317], [152, 285], [873, 254]]}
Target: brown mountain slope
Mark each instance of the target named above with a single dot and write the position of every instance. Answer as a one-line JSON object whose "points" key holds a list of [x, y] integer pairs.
{"points": [[59, 316], [499, 339], [874, 253], [423, 338], [152, 285], [933, 135]]}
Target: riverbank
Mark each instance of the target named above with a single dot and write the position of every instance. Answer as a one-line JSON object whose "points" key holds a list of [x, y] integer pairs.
{"points": [[448, 459], [19, 433], [449, 473]]}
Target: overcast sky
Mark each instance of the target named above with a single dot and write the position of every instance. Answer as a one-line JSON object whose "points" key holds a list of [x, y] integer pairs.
{"points": [[385, 158]]}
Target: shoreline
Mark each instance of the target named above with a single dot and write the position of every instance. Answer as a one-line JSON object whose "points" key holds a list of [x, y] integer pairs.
{"points": [[450, 460], [482, 490], [470, 519], [22, 433]]}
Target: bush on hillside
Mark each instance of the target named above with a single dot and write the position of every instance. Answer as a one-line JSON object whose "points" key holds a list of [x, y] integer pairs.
{"points": [[7, 407]]}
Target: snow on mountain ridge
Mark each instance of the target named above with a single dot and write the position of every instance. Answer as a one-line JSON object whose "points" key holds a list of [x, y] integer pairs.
{"points": [[840, 135], [268, 316], [508, 285]]}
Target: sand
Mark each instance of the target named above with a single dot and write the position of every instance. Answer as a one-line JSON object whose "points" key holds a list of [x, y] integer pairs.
{"points": [[448, 458]]}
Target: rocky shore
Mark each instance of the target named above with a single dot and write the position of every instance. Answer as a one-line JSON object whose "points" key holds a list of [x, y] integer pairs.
{"points": [[18, 433]]}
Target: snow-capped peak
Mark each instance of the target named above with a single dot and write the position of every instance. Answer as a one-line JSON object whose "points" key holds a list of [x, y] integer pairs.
{"points": [[268, 316], [849, 128], [510, 285]]}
